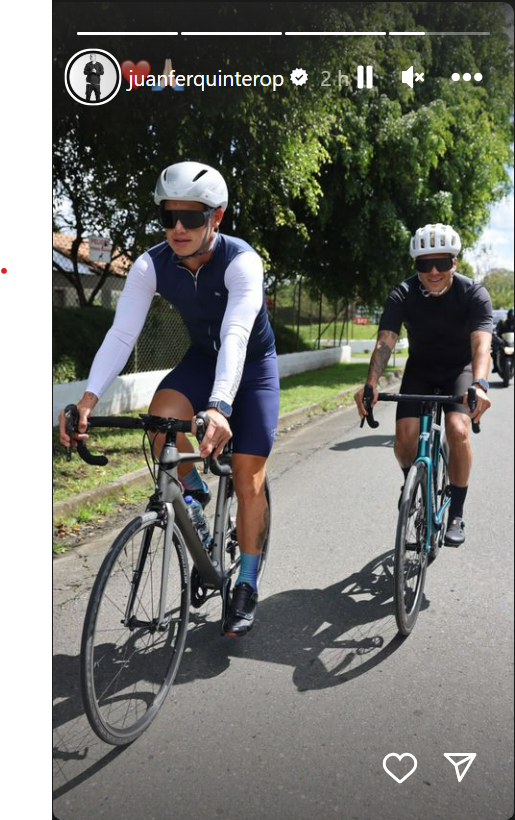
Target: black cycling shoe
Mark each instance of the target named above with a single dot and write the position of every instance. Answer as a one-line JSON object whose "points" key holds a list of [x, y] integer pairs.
{"points": [[455, 534], [240, 618], [204, 496]]}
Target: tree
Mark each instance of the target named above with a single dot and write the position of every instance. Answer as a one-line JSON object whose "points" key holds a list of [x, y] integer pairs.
{"points": [[499, 284], [327, 183]]}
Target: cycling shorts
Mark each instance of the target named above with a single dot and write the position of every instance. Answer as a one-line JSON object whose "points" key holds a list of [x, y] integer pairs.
{"points": [[255, 409], [418, 378]]}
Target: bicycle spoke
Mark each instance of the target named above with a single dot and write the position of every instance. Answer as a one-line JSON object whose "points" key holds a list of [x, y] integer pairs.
{"points": [[127, 669]]}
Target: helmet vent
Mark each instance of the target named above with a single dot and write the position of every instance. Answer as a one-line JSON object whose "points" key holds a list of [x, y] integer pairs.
{"points": [[200, 174]]}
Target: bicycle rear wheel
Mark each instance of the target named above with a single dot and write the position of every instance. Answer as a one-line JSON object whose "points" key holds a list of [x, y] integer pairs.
{"points": [[410, 563], [231, 554], [129, 658]]}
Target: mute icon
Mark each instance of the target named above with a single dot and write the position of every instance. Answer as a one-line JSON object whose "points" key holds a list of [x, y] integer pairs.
{"points": [[407, 77]]}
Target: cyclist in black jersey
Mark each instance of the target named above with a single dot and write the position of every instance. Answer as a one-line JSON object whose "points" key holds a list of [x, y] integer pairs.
{"points": [[448, 318]]}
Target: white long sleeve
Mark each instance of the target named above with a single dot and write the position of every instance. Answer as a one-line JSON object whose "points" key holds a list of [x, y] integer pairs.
{"points": [[244, 281], [131, 312]]}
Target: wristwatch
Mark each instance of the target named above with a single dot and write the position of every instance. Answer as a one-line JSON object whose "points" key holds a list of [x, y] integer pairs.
{"points": [[222, 407], [482, 383]]}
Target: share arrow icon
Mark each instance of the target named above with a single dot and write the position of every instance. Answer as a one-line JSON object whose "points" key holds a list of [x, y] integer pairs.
{"points": [[461, 761]]}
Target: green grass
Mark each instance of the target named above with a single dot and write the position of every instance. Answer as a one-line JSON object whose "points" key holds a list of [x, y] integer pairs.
{"points": [[123, 448], [319, 386], [69, 528], [309, 333]]}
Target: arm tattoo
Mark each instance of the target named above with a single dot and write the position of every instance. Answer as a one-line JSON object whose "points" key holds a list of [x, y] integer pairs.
{"points": [[386, 340]]}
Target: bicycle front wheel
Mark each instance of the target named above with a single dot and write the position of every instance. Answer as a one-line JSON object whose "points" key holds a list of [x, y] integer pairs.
{"points": [[130, 651], [440, 489], [410, 562], [231, 554]]}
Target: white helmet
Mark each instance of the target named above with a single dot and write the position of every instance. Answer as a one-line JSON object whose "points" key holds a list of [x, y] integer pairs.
{"points": [[435, 239], [192, 181]]}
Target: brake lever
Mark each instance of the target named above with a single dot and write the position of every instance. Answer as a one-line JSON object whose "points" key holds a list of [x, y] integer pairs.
{"points": [[201, 422], [210, 463], [368, 395], [472, 403], [71, 415]]}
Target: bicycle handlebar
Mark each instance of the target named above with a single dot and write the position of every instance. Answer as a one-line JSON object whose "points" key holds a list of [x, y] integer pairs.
{"points": [[368, 395], [156, 424]]}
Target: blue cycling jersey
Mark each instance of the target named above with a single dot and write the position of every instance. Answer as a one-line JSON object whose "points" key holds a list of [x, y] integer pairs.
{"points": [[201, 299], [223, 306]]}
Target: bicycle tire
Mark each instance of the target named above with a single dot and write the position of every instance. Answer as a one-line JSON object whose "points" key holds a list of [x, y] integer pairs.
{"points": [[411, 558], [231, 552], [440, 484], [126, 671]]}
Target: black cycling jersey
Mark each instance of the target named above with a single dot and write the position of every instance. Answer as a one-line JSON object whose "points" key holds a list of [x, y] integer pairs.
{"points": [[439, 327]]}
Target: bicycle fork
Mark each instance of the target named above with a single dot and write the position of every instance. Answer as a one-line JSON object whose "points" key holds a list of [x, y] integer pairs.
{"points": [[160, 623]]}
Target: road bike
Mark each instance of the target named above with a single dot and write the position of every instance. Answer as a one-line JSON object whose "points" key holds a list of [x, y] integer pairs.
{"points": [[136, 622], [425, 500]]}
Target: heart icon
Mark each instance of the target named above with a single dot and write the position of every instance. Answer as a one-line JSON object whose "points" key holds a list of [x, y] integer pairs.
{"points": [[399, 757], [138, 72]]}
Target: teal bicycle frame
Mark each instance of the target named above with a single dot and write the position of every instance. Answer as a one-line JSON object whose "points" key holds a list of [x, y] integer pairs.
{"points": [[429, 446], [429, 452]]}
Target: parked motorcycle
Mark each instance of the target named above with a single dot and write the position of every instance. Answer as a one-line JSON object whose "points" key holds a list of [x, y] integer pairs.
{"points": [[502, 355]]}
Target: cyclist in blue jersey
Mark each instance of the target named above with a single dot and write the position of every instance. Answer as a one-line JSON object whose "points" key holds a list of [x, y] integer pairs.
{"points": [[448, 318], [216, 283]]}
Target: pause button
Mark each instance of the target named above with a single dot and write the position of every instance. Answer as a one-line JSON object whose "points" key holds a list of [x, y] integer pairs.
{"points": [[369, 76]]}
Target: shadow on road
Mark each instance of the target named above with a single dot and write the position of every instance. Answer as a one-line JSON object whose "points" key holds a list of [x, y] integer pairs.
{"points": [[328, 636], [364, 441]]}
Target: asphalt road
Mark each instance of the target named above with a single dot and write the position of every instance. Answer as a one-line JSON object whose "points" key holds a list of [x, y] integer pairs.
{"points": [[294, 720]]}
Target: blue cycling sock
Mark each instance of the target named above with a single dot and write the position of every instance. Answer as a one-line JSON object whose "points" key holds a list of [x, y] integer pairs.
{"points": [[193, 481], [248, 570]]}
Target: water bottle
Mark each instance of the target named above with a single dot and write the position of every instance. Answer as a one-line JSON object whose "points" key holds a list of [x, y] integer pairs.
{"points": [[198, 519]]}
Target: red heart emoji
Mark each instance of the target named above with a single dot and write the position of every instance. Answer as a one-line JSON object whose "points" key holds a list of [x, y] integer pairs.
{"points": [[138, 72]]}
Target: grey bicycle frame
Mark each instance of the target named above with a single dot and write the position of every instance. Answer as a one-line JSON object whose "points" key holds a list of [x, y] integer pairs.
{"points": [[170, 494]]}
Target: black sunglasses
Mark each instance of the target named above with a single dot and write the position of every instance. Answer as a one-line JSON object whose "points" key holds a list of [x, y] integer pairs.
{"points": [[188, 219], [441, 264]]}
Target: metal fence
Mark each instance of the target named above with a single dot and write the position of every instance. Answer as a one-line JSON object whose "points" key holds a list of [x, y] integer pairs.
{"points": [[161, 344], [313, 321], [301, 321]]}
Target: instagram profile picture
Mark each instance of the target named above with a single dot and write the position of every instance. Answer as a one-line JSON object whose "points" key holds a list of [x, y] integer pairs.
{"points": [[92, 76]]}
